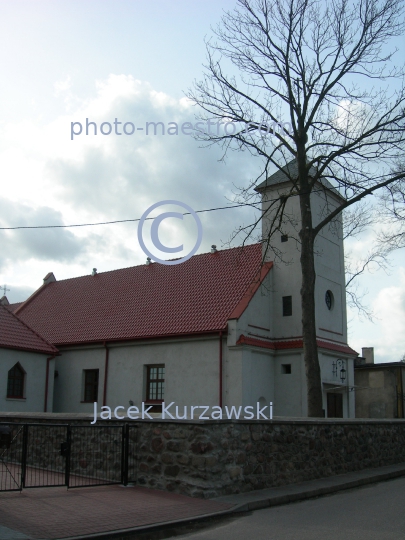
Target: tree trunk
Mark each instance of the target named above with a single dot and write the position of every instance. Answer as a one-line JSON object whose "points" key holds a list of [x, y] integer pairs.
{"points": [[312, 369]]}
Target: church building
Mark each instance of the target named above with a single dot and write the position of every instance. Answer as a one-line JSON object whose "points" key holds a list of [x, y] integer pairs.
{"points": [[221, 329]]}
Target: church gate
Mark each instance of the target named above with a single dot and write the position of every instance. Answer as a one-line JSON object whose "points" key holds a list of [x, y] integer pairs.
{"points": [[46, 455]]}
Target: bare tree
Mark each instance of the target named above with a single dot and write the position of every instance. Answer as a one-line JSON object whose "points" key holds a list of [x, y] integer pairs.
{"points": [[321, 66], [356, 220], [392, 237]]}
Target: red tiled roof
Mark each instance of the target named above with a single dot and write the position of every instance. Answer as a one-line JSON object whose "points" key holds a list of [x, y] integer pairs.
{"points": [[294, 344], [196, 296], [16, 334], [14, 307]]}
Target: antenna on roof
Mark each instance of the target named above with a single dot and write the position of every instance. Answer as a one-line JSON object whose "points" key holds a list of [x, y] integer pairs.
{"points": [[4, 289]]}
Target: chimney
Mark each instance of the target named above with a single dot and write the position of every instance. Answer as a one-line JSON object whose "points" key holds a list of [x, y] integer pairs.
{"points": [[368, 354], [148, 261], [49, 278], [94, 273], [214, 248]]}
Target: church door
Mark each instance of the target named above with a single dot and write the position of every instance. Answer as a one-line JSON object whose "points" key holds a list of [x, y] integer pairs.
{"points": [[335, 405]]}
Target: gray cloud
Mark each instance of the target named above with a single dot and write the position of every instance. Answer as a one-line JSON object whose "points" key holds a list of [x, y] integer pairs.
{"points": [[55, 244], [136, 171]]}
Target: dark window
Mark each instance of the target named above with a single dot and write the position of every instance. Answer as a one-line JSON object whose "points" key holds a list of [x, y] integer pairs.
{"points": [[287, 306], [284, 237], [15, 382], [286, 368], [155, 387], [335, 405], [90, 385]]}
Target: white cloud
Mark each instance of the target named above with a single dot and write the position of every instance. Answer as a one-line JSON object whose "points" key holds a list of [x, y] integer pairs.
{"points": [[63, 85], [54, 180], [387, 333], [390, 306]]}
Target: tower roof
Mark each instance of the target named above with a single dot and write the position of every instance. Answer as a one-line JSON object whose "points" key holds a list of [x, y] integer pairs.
{"points": [[290, 172]]}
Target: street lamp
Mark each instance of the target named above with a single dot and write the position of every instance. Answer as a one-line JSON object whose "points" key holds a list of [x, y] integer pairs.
{"points": [[339, 363]]}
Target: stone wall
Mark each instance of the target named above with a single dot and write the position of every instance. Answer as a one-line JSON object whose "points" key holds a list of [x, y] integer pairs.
{"points": [[212, 458]]}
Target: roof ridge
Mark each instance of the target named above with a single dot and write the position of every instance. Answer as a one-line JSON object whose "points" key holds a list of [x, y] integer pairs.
{"points": [[134, 266], [30, 298], [263, 269], [29, 328]]}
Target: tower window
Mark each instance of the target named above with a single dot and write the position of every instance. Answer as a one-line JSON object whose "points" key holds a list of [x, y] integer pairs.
{"points": [[287, 306], [286, 369]]}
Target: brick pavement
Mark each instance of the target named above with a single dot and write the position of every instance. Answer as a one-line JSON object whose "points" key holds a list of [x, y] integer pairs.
{"points": [[56, 513]]}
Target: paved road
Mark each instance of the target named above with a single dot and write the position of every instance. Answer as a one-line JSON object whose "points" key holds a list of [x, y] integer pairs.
{"points": [[375, 512]]}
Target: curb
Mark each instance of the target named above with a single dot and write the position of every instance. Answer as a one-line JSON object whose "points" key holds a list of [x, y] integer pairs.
{"points": [[316, 492], [304, 493], [154, 527]]}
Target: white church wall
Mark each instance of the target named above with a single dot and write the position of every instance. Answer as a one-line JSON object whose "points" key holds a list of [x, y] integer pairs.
{"points": [[233, 332], [233, 373], [330, 272], [249, 374], [329, 266], [258, 378], [191, 373], [330, 322], [68, 386], [286, 270], [257, 321], [289, 385], [34, 365]]}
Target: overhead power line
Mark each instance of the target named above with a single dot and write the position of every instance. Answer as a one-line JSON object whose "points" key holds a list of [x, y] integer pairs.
{"points": [[116, 221], [253, 205]]}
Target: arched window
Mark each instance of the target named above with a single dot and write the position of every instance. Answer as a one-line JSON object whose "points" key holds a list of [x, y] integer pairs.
{"points": [[15, 382]]}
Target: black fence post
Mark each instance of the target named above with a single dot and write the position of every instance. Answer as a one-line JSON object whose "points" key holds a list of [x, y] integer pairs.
{"points": [[24, 455], [68, 447]]}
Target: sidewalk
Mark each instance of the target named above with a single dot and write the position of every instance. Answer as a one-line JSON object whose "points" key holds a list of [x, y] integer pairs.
{"points": [[108, 511]]}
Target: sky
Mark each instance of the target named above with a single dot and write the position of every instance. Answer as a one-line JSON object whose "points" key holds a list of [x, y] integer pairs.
{"points": [[65, 61]]}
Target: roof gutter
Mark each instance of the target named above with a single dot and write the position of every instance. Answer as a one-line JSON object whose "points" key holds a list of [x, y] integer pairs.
{"points": [[107, 351], [213, 332], [47, 382]]}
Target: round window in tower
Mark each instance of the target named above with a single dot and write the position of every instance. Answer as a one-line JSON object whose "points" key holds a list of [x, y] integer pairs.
{"points": [[329, 299]]}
